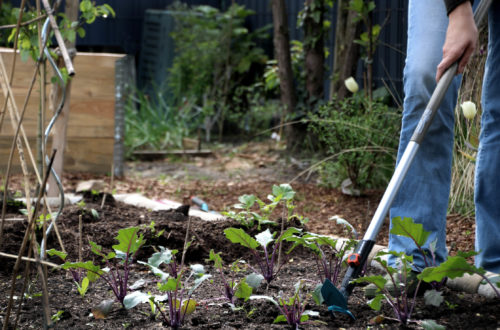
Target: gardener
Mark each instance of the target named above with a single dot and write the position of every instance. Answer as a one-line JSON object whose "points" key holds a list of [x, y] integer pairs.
{"points": [[440, 33]]}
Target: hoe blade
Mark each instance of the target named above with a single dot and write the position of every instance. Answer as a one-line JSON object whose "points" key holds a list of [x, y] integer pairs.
{"points": [[334, 299]]}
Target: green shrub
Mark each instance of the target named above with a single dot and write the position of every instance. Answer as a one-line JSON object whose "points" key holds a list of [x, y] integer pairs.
{"points": [[151, 124], [360, 138], [214, 56]]}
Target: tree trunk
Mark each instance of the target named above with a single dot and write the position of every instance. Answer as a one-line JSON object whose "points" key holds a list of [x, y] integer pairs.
{"points": [[282, 52], [346, 52], [60, 126], [314, 50]]}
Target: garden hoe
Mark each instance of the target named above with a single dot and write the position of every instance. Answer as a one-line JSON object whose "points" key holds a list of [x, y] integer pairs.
{"points": [[336, 299]]}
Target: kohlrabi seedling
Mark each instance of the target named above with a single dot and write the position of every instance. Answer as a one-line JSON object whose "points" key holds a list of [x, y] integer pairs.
{"points": [[176, 286], [401, 292], [117, 270], [329, 253], [293, 309], [233, 288], [265, 258]]}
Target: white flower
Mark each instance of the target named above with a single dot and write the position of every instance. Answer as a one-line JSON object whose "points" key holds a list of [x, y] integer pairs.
{"points": [[468, 109], [351, 85]]}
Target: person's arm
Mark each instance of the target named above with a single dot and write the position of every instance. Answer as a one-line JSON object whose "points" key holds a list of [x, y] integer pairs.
{"points": [[461, 37]]}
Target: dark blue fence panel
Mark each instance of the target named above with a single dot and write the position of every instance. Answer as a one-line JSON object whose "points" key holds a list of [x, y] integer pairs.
{"points": [[124, 33]]}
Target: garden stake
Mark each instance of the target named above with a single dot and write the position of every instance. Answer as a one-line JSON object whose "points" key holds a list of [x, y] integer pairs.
{"points": [[27, 236], [336, 299]]}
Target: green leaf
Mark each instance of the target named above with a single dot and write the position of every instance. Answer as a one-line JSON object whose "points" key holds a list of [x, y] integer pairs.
{"points": [[81, 32], [238, 235], [289, 233], [93, 271], [82, 290], [433, 298], [171, 285], [431, 325], [284, 190], [95, 248], [254, 280], [198, 269], [376, 303], [378, 280], [85, 5], [408, 228], [60, 254], [316, 294], [129, 241], [247, 200], [216, 258], [264, 238], [135, 298], [198, 282], [280, 318], [109, 9], [454, 267], [188, 306], [243, 290], [164, 256]]}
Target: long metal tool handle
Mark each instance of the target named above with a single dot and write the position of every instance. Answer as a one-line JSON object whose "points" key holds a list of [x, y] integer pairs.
{"points": [[358, 259]]}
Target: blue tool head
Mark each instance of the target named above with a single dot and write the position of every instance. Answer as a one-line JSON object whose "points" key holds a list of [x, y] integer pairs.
{"points": [[334, 299]]}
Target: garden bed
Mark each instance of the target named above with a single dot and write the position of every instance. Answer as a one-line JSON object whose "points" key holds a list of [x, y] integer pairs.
{"points": [[461, 311]]}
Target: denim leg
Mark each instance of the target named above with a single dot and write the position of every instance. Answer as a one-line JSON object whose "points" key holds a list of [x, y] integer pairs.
{"points": [[425, 191], [487, 189]]}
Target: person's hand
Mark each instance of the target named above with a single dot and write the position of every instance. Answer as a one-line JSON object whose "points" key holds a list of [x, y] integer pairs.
{"points": [[461, 39]]}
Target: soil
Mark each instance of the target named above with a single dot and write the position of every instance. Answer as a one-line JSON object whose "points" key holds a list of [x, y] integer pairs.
{"points": [[219, 180]]}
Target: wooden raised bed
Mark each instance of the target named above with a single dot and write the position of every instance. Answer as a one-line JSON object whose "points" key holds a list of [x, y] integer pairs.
{"points": [[90, 135]]}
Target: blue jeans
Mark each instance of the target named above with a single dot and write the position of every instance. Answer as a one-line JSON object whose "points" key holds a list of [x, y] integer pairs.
{"points": [[424, 194]]}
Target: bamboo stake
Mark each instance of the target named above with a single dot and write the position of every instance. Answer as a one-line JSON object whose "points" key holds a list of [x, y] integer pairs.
{"points": [[16, 38], [59, 38], [27, 236], [25, 284], [45, 291], [16, 134], [80, 238], [12, 256], [111, 183]]}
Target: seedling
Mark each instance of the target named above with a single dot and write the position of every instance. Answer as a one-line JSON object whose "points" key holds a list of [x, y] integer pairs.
{"points": [[293, 310], [116, 272], [247, 217], [179, 290], [329, 259], [399, 296], [266, 260], [232, 288], [283, 194]]}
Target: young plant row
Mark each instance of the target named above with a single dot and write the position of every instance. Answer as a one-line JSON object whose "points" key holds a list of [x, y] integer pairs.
{"points": [[239, 281]]}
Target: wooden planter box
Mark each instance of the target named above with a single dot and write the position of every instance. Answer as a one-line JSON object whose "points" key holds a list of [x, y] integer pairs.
{"points": [[91, 127]]}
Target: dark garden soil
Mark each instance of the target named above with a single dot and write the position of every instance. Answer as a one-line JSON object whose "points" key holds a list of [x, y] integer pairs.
{"points": [[212, 180]]}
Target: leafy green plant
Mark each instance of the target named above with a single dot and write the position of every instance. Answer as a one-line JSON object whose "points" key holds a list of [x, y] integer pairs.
{"points": [[232, 288], [402, 293], [247, 217], [199, 73], [360, 139], [293, 309], [329, 258], [117, 270], [282, 194], [28, 34], [268, 266], [177, 287], [152, 124], [57, 316]]}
